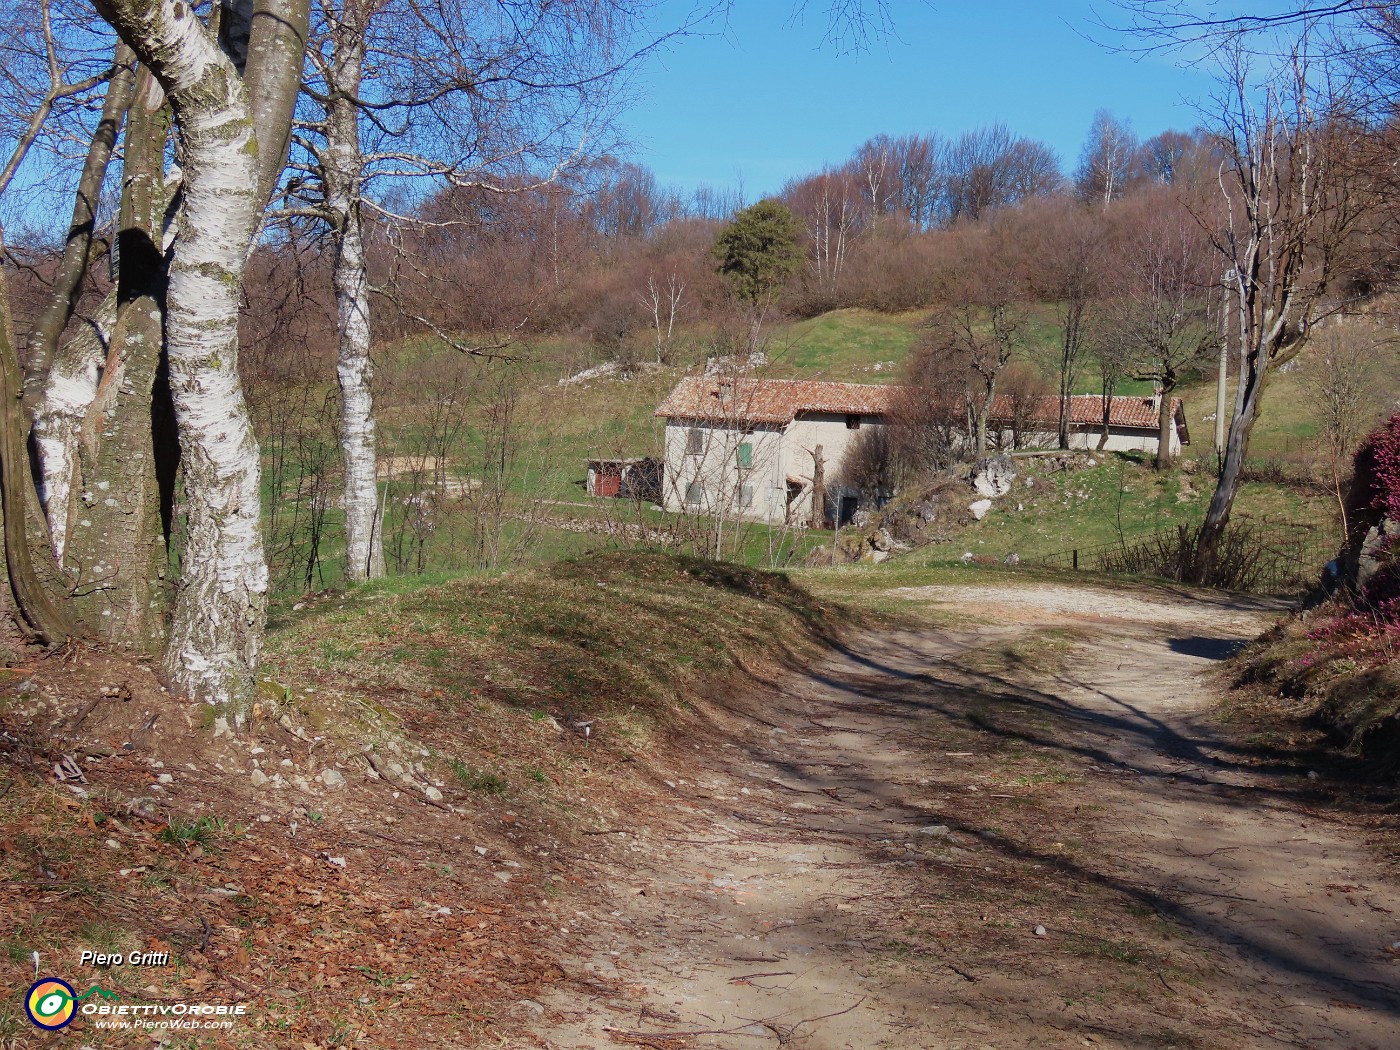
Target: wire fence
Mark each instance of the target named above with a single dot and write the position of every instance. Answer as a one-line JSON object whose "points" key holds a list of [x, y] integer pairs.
{"points": [[1268, 557]]}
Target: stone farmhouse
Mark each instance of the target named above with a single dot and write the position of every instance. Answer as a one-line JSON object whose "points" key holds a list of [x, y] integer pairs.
{"points": [[1132, 423], [748, 448]]}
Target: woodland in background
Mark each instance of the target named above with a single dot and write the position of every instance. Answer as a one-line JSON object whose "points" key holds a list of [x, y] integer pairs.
{"points": [[601, 264]]}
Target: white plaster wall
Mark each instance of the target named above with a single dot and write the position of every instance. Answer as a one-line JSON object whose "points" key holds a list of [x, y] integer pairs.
{"points": [[717, 470], [804, 434], [776, 455], [1120, 439], [829, 431]]}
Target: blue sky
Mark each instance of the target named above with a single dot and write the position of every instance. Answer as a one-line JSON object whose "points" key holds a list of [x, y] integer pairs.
{"points": [[766, 101]]}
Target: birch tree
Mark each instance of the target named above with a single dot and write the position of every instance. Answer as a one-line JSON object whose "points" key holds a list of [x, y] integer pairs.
{"points": [[405, 97], [664, 302], [40, 78], [1107, 159], [231, 98], [829, 206]]}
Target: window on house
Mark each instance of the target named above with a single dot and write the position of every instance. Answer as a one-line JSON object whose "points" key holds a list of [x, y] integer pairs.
{"points": [[695, 494], [694, 442], [745, 496], [852, 420], [746, 455]]}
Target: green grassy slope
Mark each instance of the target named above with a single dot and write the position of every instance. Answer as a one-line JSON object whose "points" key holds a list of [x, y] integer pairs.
{"points": [[559, 426]]}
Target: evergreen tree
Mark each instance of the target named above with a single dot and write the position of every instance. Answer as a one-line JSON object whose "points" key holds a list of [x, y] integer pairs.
{"points": [[758, 253]]}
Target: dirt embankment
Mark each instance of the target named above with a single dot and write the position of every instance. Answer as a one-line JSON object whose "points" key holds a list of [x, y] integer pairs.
{"points": [[392, 853], [505, 814]]}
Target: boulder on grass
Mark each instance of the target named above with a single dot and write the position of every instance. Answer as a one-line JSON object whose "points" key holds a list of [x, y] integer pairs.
{"points": [[994, 476]]}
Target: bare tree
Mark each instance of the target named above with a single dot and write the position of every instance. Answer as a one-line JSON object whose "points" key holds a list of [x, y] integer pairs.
{"points": [[1066, 268], [1174, 158], [1293, 208], [1107, 159], [1343, 395], [990, 168], [828, 204], [1159, 296], [1026, 393], [979, 328], [902, 177], [664, 304], [497, 97]]}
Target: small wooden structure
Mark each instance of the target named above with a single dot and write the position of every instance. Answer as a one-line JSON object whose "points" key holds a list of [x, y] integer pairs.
{"points": [[637, 477]]}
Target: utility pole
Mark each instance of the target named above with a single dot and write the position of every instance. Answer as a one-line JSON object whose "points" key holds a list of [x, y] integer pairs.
{"points": [[1224, 367]]}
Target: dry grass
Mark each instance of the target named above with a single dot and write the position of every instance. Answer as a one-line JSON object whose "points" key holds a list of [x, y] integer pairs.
{"points": [[461, 822]]}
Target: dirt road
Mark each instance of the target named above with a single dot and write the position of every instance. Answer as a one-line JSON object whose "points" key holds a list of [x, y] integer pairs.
{"points": [[1021, 835]]}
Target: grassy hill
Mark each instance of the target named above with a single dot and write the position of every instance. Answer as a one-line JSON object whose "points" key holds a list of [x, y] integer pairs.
{"points": [[559, 420]]}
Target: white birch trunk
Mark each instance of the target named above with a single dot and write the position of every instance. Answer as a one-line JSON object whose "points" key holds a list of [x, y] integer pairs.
{"points": [[69, 390], [220, 610], [342, 166]]}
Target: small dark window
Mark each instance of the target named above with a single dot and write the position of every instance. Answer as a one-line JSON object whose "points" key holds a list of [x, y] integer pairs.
{"points": [[695, 494], [853, 421], [694, 442], [746, 496]]}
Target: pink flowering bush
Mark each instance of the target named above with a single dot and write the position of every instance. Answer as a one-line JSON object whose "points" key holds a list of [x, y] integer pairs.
{"points": [[1338, 666], [1376, 496]]}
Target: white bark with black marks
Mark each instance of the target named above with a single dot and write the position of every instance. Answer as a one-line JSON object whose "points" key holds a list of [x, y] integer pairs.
{"points": [[217, 627], [68, 391], [342, 165]]}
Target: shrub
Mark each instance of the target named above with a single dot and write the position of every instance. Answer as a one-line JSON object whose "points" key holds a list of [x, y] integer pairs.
{"points": [[1242, 561], [1377, 470]]}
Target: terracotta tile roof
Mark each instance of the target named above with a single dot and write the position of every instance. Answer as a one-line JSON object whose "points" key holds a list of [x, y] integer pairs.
{"points": [[780, 401], [777, 401], [1086, 410]]}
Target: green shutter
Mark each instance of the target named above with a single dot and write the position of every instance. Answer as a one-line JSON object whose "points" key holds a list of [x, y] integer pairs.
{"points": [[746, 456]]}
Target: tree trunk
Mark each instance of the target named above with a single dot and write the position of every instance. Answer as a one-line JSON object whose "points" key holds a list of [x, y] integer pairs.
{"points": [[60, 385], [818, 488], [40, 614], [342, 165], [118, 527], [78, 247], [216, 630], [276, 50], [1064, 415], [978, 411], [68, 392], [1164, 430], [364, 546], [118, 553], [1109, 385], [1236, 449]]}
